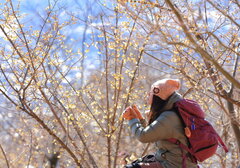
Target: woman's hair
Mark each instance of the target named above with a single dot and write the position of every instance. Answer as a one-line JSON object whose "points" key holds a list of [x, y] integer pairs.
{"points": [[156, 108]]}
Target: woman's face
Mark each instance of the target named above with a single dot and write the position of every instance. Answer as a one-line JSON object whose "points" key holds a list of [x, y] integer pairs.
{"points": [[153, 91], [149, 97]]}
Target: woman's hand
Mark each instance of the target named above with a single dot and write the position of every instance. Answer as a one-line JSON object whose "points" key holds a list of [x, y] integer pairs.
{"points": [[139, 115], [148, 114], [129, 113]]}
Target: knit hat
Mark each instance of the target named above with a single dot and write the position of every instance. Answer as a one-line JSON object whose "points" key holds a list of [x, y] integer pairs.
{"points": [[163, 89]]}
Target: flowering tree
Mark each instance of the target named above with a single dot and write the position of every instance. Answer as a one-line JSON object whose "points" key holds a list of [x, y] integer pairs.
{"points": [[201, 40], [64, 93]]}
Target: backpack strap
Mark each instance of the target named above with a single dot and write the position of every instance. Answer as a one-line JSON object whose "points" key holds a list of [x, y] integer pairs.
{"points": [[222, 143], [183, 147]]}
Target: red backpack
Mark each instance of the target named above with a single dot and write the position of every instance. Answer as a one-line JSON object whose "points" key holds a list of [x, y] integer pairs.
{"points": [[203, 140]]}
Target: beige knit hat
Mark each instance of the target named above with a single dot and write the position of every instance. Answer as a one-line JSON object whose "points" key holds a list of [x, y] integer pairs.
{"points": [[163, 89]]}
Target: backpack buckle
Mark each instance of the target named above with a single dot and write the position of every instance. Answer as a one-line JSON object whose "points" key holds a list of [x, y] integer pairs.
{"points": [[177, 142]]}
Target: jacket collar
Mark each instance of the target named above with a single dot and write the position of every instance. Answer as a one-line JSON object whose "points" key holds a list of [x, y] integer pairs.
{"points": [[171, 100]]}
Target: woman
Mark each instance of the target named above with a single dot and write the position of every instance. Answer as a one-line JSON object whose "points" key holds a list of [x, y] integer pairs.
{"points": [[164, 123]]}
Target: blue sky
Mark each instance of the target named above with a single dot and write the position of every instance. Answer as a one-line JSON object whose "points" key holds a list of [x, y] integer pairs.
{"points": [[34, 10]]}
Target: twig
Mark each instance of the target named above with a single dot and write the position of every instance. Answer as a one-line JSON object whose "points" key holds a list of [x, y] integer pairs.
{"points": [[4, 154]]}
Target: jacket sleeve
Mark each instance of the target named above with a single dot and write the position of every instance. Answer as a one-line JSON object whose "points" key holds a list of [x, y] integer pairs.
{"points": [[162, 128]]}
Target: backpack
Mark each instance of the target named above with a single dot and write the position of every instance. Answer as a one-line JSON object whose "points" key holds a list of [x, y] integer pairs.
{"points": [[203, 140]]}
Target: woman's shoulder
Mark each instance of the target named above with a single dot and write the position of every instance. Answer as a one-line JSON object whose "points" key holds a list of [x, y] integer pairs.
{"points": [[170, 115]]}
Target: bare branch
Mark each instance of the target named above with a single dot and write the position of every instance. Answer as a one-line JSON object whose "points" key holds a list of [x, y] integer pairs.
{"points": [[199, 49], [224, 13], [5, 157]]}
